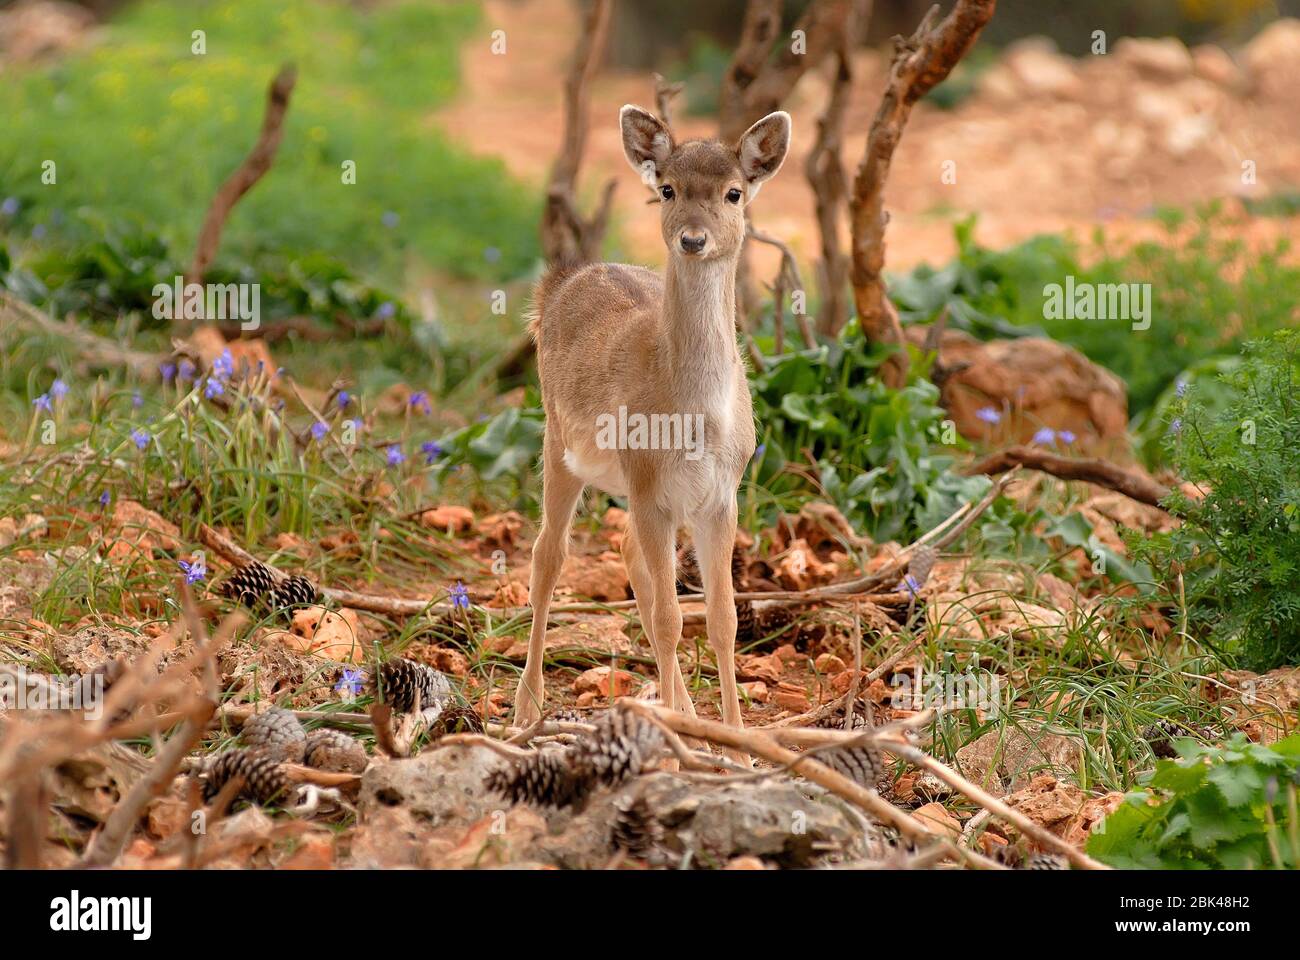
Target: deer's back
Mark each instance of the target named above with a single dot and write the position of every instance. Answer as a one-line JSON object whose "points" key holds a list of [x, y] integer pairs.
{"points": [[595, 328]]}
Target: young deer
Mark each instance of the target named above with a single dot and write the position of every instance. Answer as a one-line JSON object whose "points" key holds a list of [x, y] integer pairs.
{"points": [[617, 341]]}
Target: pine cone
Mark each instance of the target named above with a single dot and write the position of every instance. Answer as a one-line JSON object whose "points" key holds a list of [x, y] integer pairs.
{"points": [[334, 750], [835, 720], [276, 733], [1046, 861], [264, 781], [688, 572], [635, 828], [456, 718], [254, 586], [775, 619], [401, 681], [543, 779], [570, 715], [863, 764], [920, 566], [294, 592], [747, 629], [1162, 734], [250, 585], [621, 747]]}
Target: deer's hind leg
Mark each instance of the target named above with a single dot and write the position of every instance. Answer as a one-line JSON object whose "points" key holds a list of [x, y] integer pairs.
{"points": [[560, 492]]}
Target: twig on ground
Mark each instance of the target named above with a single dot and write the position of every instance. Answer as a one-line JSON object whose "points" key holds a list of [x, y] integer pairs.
{"points": [[1134, 484]]}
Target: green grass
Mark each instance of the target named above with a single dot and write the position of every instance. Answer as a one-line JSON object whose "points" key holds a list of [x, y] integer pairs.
{"points": [[140, 127]]}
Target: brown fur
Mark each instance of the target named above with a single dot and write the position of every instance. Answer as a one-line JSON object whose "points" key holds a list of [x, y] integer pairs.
{"points": [[612, 336]]}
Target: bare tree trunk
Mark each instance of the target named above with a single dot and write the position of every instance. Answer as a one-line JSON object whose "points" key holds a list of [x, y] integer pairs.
{"points": [[244, 178], [567, 236], [756, 83], [920, 62], [829, 181]]}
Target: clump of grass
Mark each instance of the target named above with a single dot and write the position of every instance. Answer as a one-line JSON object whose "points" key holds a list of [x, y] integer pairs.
{"points": [[185, 120]]}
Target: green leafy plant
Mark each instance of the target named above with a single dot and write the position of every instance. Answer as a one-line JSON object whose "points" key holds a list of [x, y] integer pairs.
{"points": [[1209, 294], [1238, 549], [826, 421], [1228, 807]]}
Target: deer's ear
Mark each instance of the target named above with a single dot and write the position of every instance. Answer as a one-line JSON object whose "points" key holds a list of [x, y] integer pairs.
{"points": [[763, 148], [646, 142]]}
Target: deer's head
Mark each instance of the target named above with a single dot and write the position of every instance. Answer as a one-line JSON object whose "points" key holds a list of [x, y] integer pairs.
{"points": [[702, 185]]}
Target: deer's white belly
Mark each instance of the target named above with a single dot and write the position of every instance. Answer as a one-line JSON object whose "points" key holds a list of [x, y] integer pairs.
{"points": [[597, 468]]}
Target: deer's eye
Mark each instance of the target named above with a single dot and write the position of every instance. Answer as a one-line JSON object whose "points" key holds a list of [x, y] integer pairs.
{"points": [[666, 192], [733, 195]]}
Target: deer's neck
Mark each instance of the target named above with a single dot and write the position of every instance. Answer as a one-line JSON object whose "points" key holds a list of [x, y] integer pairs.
{"points": [[700, 324]]}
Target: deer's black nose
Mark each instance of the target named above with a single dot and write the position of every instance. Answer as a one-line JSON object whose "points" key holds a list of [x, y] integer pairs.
{"points": [[693, 243]]}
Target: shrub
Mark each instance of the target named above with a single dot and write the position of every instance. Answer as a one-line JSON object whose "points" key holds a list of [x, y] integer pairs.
{"points": [[1238, 548], [1209, 295], [1227, 807]]}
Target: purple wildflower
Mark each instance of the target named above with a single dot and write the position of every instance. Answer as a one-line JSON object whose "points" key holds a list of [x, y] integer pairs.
{"points": [[194, 572], [140, 438], [910, 584], [459, 596], [168, 371], [214, 388], [344, 399], [10, 206], [350, 683], [43, 402], [420, 401], [104, 498], [988, 415], [186, 370], [58, 389], [386, 311], [1045, 436], [432, 450], [319, 429], [224, 366], [1066, 437], [394, 455]]}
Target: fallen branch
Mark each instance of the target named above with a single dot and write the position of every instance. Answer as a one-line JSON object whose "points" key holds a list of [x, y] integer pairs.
{"points": [[246, 174], [1131, 483], [757, 743], [106, 846], [91, 346], [859, 589], [995, 806]]}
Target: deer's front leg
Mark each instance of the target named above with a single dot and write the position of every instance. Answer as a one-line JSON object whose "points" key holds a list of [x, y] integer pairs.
{"points": [[715, 536], [560, 492], [653, 532]]}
